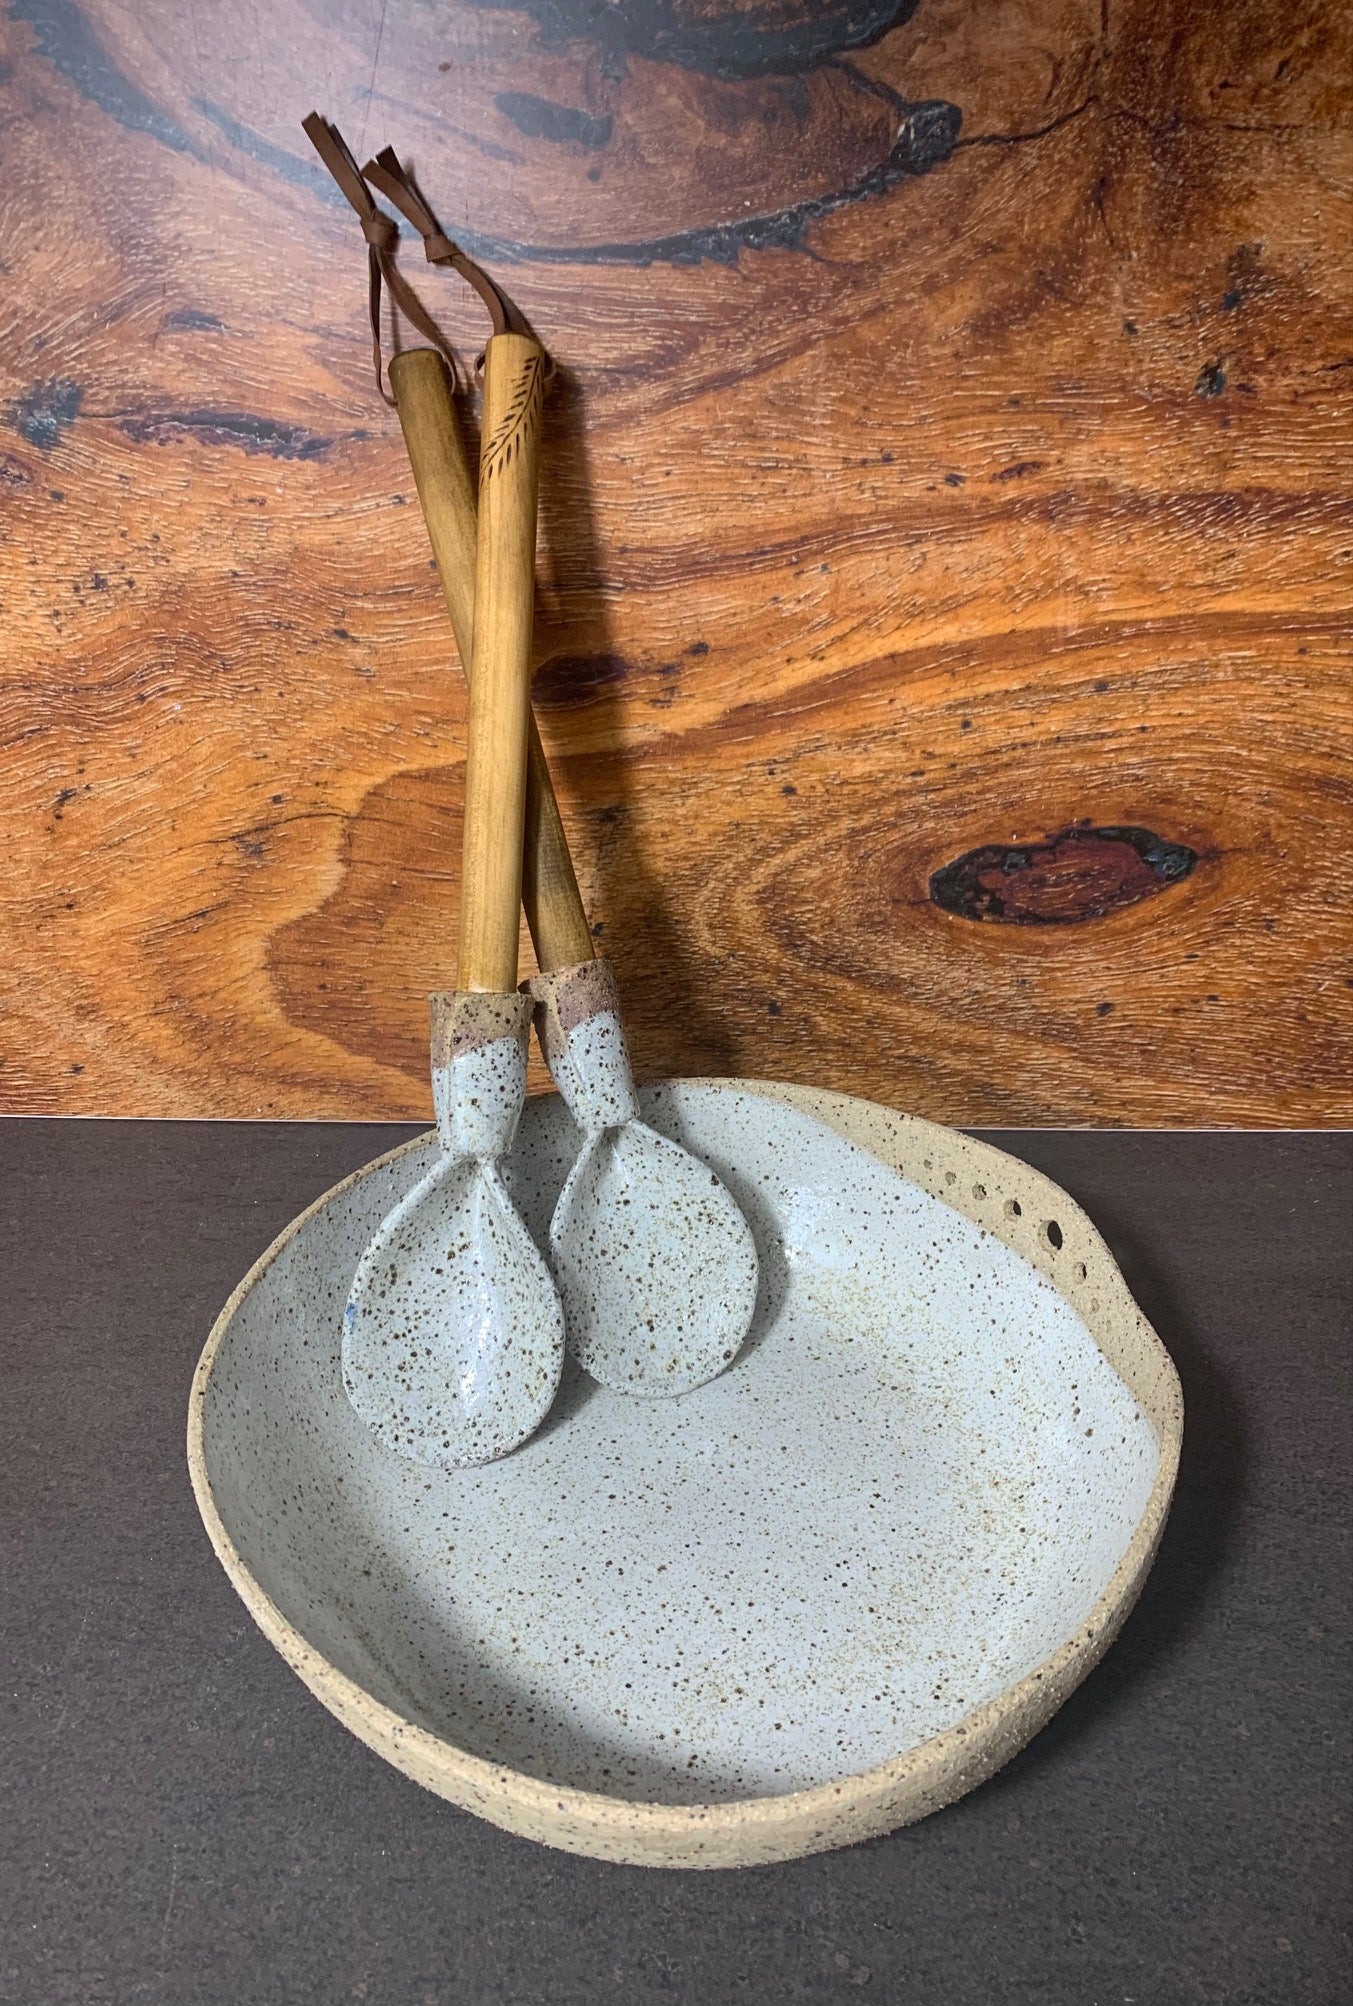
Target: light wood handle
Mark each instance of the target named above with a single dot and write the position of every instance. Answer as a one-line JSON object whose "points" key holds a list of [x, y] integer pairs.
{"points": [[500, 681], [441, 470]]}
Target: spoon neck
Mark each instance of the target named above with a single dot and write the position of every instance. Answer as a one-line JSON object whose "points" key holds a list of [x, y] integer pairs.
{"points": [[479, 1051], [581, 1034]]}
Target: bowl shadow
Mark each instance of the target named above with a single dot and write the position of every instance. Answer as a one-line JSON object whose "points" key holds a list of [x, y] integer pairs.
{"points": [[1201, 1531]]}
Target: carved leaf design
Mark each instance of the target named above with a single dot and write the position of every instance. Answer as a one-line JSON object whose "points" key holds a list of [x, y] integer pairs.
{"points": [[518, 422]]}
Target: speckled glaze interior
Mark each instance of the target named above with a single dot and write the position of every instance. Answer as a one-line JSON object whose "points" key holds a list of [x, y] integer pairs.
{"points": [[815, 1598]]}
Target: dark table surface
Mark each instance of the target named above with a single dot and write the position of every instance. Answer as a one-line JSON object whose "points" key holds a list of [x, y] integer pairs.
{"points": [[183, 1822]]}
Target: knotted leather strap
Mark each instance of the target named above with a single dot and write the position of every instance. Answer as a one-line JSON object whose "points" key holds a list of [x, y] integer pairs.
{"points": [[387, 173], [382, 234]]}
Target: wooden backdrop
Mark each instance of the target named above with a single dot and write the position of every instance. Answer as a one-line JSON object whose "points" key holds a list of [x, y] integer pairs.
{"points": [[945, 558]]}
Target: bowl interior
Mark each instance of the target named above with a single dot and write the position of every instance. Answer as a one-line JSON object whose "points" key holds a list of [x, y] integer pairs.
{"points": [[911, 1487]]}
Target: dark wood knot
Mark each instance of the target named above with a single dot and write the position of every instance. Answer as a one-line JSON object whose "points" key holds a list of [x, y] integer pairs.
{"points": [[1082, 873]]}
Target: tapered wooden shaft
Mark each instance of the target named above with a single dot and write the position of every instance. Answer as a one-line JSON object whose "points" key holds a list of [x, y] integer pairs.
{"points": [[500, 680], [441, 470]]}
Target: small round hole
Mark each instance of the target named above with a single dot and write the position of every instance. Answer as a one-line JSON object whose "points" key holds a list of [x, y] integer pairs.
{"points": [[951, 1177], [1013, 1209], [979, 1190], [1054, 1233], [1080, 1271]]}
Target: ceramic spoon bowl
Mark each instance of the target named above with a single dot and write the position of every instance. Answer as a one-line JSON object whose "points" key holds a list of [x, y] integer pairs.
{"points": [[452, 1332], [656, 1266]]}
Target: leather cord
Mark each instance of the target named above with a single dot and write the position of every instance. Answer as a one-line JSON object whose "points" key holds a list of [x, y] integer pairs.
{"points": [[382, 235], [387, 173]]}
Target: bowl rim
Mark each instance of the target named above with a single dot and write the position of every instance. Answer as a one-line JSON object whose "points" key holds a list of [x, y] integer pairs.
{"points": [[930, 1774]]}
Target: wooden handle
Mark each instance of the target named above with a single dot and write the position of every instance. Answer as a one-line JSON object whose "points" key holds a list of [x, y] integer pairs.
{"points": [[441, 471], [500, 681]]}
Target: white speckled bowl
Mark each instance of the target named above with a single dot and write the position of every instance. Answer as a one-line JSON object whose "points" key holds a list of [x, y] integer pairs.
{"points": [[809, 1602]]}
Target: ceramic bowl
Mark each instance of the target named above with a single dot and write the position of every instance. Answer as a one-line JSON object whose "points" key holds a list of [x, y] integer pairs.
{"points": [[809, 1602]]}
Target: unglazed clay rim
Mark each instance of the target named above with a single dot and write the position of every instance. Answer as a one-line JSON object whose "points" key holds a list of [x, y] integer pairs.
{"points": [[757, 1830]]}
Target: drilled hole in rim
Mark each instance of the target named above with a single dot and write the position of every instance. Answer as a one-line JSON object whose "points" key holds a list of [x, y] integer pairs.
{"points": [[1054, 1233], [1013, 1209], [979, 1190]]}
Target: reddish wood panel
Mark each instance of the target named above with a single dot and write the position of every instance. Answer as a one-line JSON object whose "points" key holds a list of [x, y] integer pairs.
{"points": [[950, 455]]}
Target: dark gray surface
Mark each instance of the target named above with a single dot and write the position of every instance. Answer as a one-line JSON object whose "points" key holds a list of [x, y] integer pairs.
{"points": [[183, 1822]]}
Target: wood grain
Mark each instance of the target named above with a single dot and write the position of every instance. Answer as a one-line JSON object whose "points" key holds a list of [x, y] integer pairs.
{"points": [[500, 692], [950, 450]]}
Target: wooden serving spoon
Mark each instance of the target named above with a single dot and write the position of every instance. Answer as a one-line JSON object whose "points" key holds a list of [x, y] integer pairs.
{"points": [[656, 1264], [667, 1309], [453, 1336], [424, 400]]}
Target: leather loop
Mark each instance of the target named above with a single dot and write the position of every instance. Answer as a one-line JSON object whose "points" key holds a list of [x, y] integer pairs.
{"points": [[382, 235], [388, 173]]}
